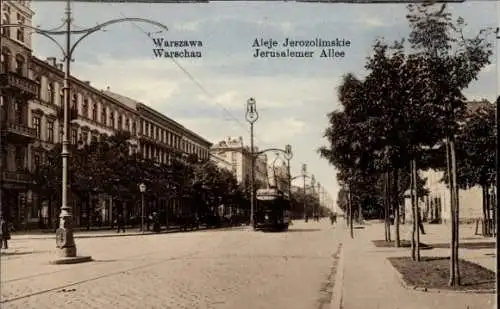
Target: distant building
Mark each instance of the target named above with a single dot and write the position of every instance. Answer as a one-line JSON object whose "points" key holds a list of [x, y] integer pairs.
{"points": [[278, 174], [436, 206], [233, 155]]}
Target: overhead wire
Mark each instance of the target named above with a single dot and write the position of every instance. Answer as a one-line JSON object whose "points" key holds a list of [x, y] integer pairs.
{"points": [[196, 82]]}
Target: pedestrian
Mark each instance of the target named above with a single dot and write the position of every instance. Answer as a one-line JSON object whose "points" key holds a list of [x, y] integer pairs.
{"points": [[120, 223], [156, 223], [4, 227]]}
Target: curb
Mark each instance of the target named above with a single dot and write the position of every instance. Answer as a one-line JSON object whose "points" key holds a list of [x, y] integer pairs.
{"points": [[433, 290], [52, 236], [336, 302]]}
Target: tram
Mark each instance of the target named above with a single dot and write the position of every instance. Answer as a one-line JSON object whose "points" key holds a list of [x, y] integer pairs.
{"points": [[273, 210]]}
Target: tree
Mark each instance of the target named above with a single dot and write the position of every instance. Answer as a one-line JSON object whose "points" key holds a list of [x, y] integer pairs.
{"points": [[453, 61], [475, 148]]}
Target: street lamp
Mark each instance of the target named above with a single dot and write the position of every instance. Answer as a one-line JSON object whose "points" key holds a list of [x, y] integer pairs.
{"points": [[304, 174], [142, 188], [64, 236], [313, 183], [319, 197], [252, 116], [288, 157]]}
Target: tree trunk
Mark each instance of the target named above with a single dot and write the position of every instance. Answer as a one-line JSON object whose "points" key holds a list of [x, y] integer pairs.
{"points": [[349, 198], [395, 203], [490, 226], [457, 210], [389, 199], [453, 258], [417, 211], [484, 227], [413, 214], [386, 214]]}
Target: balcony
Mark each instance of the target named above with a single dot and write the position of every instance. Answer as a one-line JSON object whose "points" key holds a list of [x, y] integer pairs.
{"points": [[18, 85], [18, 133], [17, 177]]}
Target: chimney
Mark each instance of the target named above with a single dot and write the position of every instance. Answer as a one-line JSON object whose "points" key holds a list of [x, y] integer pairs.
{"points": [[52, 61], [86, 82], [60, 66], [108, 88]]}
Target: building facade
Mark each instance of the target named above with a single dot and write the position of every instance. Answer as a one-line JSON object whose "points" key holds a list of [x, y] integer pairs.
{"points": [[233, 155], [32, 101], [278, 174], [16, 89]]}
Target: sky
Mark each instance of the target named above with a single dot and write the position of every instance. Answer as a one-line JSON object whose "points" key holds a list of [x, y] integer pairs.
{"points": [[208, 94]]}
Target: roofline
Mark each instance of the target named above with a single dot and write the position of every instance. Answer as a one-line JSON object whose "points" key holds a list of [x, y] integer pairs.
{"points": [[82, 84], [173, 122]]}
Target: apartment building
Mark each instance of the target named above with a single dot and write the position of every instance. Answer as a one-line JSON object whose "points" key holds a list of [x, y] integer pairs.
{"points": [[278, 174], [16, 89], [32, 105], [234, 151], [159, 138]]}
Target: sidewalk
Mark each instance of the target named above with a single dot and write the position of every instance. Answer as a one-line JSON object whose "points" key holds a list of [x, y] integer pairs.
{"points": [[369, 281], [102, 233]]}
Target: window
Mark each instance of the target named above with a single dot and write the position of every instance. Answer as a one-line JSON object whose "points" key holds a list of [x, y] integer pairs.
{"points": [[19, 157], [85, 108], [74, 101], [127, 124], [19, 65], [50, 131], [20, 31], [85, 137], [157, 133], [6, 20], [151, 131], [61, 98], [103, 116], [50, 93], [94, 112], [146, 129], [36, 125], [112, 119], [120, 124], [36, 160], [61, 133], [6, 60], [74, 136], [38, 79], [94, 138], [133, 128]]}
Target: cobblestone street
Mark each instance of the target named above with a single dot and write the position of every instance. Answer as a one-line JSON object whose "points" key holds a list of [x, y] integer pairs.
{"points": [[234, 268]]}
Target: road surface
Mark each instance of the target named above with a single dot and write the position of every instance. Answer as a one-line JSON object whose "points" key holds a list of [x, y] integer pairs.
{"points": [[218, 269]]}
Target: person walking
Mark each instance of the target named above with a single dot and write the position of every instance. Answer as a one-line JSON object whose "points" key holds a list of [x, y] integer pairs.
{"points": [[120, 222], [5, 236]]}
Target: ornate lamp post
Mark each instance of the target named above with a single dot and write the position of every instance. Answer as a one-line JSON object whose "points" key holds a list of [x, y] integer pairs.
{"points": [[288, 157], [142, 188], [304, 175], [252, 116], [313, 184], [64, 235], [319, 197]]}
